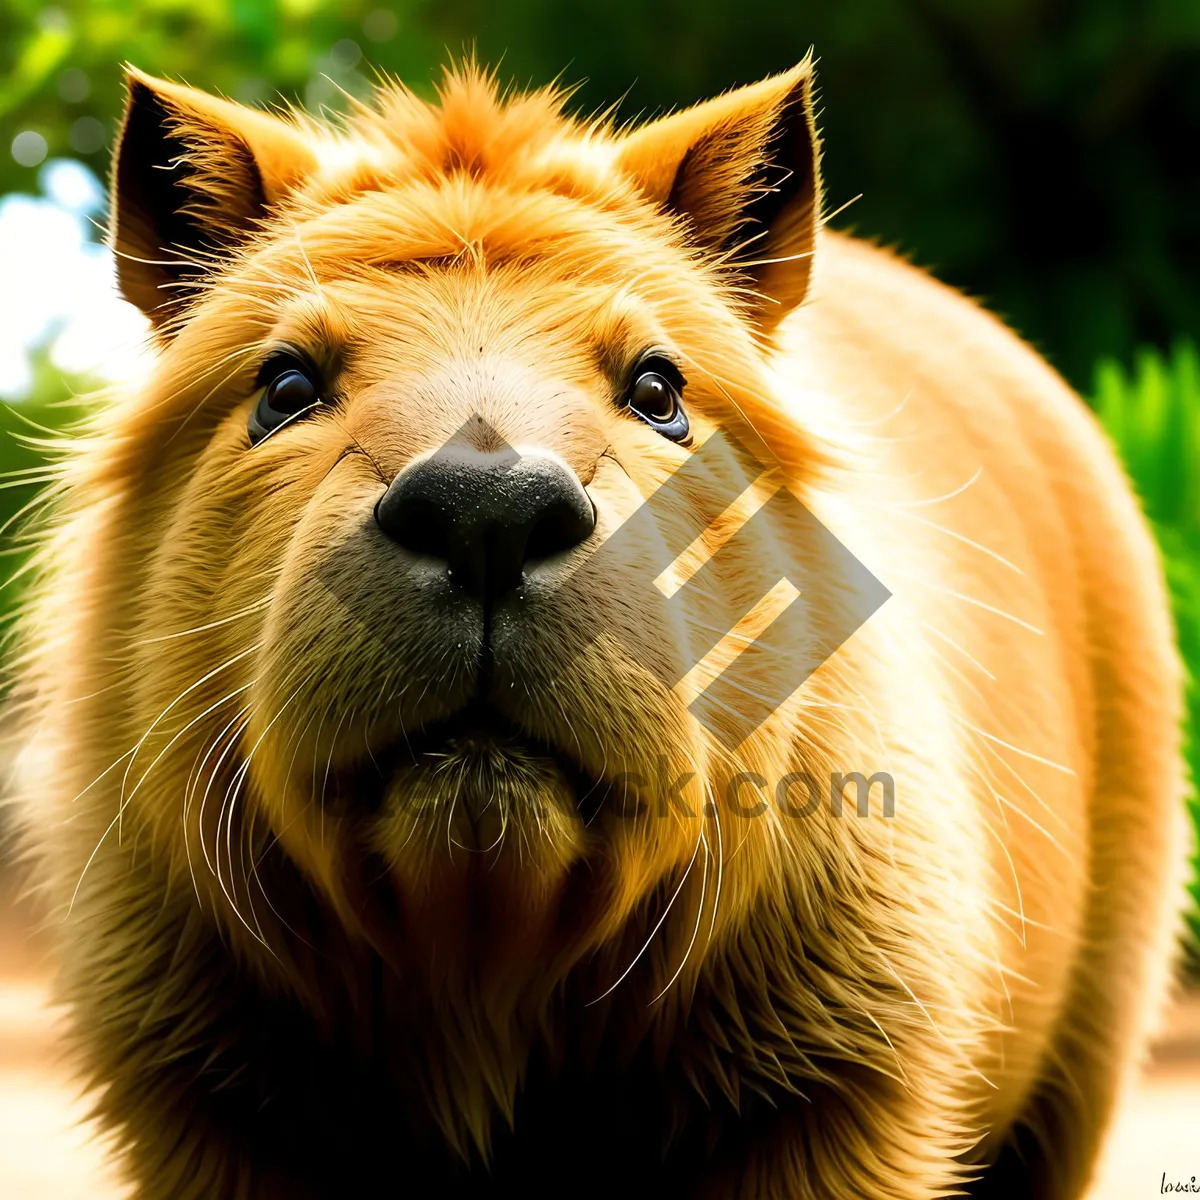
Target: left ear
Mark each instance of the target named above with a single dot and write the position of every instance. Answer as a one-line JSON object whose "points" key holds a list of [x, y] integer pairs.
{"points": [[193, 178], [743, 172]]}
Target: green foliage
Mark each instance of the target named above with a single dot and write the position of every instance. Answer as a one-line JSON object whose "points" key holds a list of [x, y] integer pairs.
{"points": [[51, 406], [62, 63], [1039, 154], [1152, 413]]}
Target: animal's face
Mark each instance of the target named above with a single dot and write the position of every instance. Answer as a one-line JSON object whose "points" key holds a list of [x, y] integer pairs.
{"points": [[411, 380]]}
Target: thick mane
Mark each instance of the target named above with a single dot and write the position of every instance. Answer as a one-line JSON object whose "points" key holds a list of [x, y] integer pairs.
{"points": [[474, 130]]}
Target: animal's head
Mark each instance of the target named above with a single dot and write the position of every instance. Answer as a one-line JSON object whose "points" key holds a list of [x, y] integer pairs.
{"points": [[412, 374]]}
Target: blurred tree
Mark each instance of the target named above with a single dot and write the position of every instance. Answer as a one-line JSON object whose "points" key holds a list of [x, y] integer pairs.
{"points": [[1039, 153], [62, 63]]}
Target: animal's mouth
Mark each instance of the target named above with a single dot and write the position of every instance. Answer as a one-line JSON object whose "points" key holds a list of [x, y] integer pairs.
{"points": [[476, 757]]}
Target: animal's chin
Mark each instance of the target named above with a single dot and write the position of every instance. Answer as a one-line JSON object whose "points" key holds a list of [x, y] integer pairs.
{"points": [[482, 833], [474, 812]]}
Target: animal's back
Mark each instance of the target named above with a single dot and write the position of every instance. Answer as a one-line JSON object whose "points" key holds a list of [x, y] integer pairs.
{"points": [[1020, 560]]}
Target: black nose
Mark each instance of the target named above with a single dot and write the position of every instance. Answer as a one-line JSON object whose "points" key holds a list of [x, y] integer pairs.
{"points": [[489, 516]]}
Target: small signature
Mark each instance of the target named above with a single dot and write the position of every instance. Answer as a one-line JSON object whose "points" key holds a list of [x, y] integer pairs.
{"points": [[1179, 1187]]}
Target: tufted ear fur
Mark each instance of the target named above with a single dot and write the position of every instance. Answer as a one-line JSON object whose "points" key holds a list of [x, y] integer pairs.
{"points": [[743, 172], [193, 176]]}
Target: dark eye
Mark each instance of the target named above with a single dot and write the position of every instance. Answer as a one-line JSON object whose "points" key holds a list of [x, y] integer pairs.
{"points": [[655, 396], [289, 390]]}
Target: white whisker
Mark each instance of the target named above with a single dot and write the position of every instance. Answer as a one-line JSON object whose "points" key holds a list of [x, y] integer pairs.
{"points": [[658, 925]]}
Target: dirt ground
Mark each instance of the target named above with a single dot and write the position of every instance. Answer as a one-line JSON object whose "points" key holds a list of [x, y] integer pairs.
{"points": [[47, 1153]]}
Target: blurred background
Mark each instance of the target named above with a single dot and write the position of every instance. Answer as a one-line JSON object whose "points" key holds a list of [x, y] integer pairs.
{"points": [[1042, 155]]}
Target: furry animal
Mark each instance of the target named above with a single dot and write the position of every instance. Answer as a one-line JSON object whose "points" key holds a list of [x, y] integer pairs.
{"points": [[393, 850]]}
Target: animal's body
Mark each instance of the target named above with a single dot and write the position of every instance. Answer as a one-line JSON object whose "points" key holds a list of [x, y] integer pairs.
{"points": [[250, 650]]}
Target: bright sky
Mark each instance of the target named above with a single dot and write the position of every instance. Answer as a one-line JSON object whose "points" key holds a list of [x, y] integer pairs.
{"points": [[59, 286]]}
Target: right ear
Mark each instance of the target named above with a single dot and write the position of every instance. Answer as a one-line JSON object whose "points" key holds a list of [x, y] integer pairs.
{"points": [[742, 173], [193, 178]]}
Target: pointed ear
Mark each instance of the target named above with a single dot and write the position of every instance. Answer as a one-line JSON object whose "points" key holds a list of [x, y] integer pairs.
{"points": [[192, 178], [743, 171]]}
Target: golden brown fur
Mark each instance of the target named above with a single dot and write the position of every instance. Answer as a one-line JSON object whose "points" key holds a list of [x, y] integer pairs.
{"points": [[280, 989]]}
